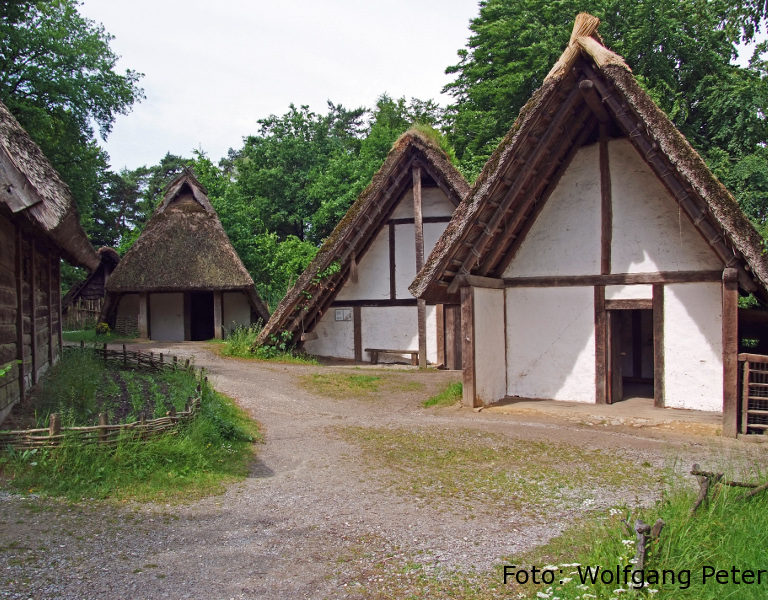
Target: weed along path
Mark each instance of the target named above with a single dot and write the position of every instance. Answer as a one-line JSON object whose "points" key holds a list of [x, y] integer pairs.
{"points": [[358, 492]]}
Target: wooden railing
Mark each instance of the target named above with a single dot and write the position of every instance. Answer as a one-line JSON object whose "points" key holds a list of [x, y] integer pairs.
{"points": [[104, 433], [754, 393]]}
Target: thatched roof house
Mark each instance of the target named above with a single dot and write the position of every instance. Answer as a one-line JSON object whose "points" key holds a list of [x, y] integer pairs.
{"points": [[600, 238], [39, 225], [363, 269], [182, 279], [87, 296]]}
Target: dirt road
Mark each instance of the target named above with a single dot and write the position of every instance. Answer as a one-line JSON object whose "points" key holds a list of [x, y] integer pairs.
{"points": [[313, 515]]}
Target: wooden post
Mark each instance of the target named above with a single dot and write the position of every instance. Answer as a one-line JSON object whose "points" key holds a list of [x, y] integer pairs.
{"points": [[57, 294], [105, 353], [125, 356], [468, 346], [103, 423], [658, 345], [440, 318], [601, 347], [418, 225], [606, 206], [54, 424], [730, 352], [217, 315], [143, 315], [51, 354], [392, 265], [33, 307], [20, 311], [745, 397], [357, 325]]}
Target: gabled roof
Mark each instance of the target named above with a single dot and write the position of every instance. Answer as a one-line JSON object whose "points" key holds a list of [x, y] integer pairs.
{"points": [[32, 189], [312, 293], [93, 285], [183, 248], [589, 86]]}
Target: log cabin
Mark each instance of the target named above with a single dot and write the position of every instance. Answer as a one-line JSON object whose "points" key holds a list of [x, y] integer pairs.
{"points": [[39, 225], [182, 279], [597, 254], [352, 301]]}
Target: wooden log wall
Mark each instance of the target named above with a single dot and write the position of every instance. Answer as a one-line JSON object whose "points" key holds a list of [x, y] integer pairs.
{"points": [[30, 310]]}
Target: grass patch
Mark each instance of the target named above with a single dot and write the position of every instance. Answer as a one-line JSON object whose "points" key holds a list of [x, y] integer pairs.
{"points": [[359, 385], [89, 336], [486, 471], [448, 397], [196, 459], [729, 532], [240, 344], [200, 459]]}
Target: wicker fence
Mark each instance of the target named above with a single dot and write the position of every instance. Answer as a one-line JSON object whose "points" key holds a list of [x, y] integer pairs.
{"points": [[104, 433]]}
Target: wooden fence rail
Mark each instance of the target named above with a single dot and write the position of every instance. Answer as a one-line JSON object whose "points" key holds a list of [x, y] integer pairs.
{"points": [[104, 433], [754, 393]]}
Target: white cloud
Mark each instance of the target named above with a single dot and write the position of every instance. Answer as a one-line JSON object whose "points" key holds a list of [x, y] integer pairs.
{"points": [[212, 69]]}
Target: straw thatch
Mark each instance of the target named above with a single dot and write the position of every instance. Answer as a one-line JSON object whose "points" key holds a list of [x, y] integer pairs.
{"points": [[485, 230], [94, 285], [33, 190], [183, 248], [351, 237]]}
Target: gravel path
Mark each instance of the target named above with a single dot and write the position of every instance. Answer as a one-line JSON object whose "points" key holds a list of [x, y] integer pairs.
{"points": [[310, 515]]}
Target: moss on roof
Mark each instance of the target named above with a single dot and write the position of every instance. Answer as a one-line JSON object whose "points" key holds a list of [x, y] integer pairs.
{"points": [[181, 248]]}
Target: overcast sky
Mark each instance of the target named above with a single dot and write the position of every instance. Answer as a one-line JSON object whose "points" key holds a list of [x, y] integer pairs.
{"points": [[213, 68]]}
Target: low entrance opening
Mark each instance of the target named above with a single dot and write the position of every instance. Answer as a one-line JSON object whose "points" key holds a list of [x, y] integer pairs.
{"points": [[201, 316], [631, 354]]}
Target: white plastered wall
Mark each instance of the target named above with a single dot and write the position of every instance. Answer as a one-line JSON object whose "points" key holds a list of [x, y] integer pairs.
{"points": [[551, 343], [565, 239], [334, 338], [650, 231], [693, 346], [237, 310], [381, 326], [434, 203], [490, 368], [166, 317], [372, 272], [394, 327]]}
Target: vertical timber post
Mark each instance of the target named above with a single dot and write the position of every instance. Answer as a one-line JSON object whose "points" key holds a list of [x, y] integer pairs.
{"points": [[730, 352], [469, 398], [143, 315], [217, 315], [418, 225]]}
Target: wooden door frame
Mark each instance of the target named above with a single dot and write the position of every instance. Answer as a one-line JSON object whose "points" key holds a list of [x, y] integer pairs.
{"points": [[603, 341]]}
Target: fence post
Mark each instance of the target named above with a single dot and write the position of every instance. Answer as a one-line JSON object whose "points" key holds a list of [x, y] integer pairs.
{"points": [[105, 353], [161, 360], [125, 357], [103, 423], [54, 424], [745, 397], [175, 362], [82, 344], [152, 360]]}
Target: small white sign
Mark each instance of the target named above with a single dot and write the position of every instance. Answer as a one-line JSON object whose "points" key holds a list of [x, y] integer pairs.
{"points": [[343, 314]]}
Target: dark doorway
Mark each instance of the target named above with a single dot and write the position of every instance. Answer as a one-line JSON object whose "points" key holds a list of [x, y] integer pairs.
{"points": [[201, 315], [631, 354]]}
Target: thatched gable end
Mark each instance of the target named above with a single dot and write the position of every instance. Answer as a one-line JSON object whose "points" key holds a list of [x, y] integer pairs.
{"points": [[183, 248], [590, 92], [315, 290]]}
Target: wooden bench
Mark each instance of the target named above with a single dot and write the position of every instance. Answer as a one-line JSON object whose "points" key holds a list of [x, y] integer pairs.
{"points": [[376, 351]]}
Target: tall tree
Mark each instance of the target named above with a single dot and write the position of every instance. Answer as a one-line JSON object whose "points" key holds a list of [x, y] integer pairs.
{"points": [[681, 51], [58, 76]]}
